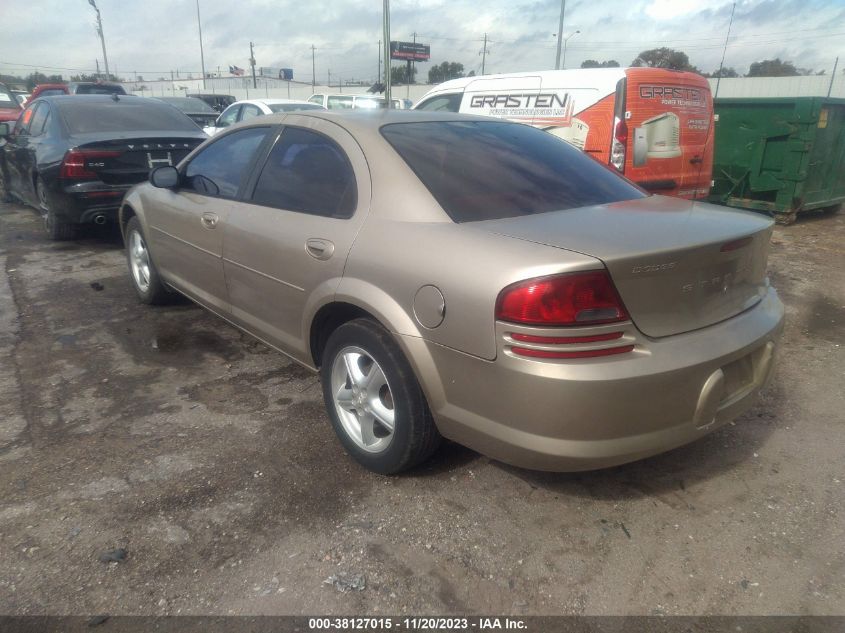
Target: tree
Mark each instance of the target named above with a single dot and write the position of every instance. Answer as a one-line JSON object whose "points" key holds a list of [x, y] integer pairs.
{"points": [[444, 72], [399, 74], [664, 58], [725, 73], [772, 68], [592, 63]]}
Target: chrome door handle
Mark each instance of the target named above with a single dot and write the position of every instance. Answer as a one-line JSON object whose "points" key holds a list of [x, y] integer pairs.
{"points": [[209, 220], [319, 249]]}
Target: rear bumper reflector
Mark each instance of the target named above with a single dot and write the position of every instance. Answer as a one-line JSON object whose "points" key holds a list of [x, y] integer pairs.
{"points": [[539, 353], [559, 340]]}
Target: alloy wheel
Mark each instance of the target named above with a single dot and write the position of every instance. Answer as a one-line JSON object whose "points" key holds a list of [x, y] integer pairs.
{"points": [[363, 399]]}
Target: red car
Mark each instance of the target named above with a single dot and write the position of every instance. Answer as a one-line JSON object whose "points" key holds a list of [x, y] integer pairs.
{"points": [[48, 90], [10, 109]]}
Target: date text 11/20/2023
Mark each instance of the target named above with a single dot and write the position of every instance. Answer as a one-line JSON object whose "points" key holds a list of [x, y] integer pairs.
{"points": [[416, 624]]}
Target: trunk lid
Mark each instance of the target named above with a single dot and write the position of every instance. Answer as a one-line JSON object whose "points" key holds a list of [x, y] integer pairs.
{"points": [[678, 266], [128, 161]]}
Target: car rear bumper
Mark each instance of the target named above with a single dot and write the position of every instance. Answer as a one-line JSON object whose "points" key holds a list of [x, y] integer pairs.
{"points": [[87, 202], [567, 415]]}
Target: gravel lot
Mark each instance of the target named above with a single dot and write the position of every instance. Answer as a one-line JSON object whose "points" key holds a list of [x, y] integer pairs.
{"points": [[208, 458]]}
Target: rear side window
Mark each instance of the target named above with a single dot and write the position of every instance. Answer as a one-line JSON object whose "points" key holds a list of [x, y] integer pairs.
{"points": [[334, 103], [39, 119], [129, 114], [485, 170], [250, 111], [307, 172], [442, 103], [219, 169]]}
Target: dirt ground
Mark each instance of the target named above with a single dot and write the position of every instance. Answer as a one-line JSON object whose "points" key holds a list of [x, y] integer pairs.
{"points": [[209, 459]]}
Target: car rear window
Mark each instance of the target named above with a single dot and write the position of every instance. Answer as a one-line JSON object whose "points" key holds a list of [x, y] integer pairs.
{"points": [[486, 170], [291, 107], [99, 89], [131, 114]]}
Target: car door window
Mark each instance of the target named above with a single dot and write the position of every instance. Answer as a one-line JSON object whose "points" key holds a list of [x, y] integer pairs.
{"points": [[316, 99], [442, 103], [25, 120], [307, 172], [249, 111], [219, 169], [334, 103], [39, 119], [229, 116]]}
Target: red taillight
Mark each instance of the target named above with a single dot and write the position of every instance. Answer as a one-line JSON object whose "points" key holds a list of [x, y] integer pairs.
{"points": [[620, 142], [621, 132], [75, 163], [585, 298]]}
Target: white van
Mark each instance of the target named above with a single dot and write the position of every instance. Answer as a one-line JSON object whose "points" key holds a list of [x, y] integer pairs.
{"points": [[652, 124], [342, 101]]}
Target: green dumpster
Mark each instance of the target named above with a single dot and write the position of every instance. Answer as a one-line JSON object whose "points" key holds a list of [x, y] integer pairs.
{"points": [[784, 155]]}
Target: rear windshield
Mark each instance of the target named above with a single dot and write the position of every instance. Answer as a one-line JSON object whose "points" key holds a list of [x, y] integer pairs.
{"points": [[189, 104], [485, 170], [290, 107], [99, 89], [131, 114]]}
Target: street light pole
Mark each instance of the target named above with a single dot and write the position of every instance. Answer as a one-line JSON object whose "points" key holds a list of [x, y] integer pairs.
{"points": [[565, 41], [202, 56], [102, 38], [386, 16], [560, 33]]}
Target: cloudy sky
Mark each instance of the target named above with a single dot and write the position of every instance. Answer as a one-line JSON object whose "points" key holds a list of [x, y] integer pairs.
{"points": [[153, 37]]}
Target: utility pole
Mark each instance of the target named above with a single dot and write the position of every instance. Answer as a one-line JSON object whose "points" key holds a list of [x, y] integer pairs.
{"points": [[313, 70], [102, 38], [560, 33], [412, 66], [565, 42], [386, 19], [484, 54], [378, 76], [725, 50], [97, 62], [252, 62], [202, 56]]}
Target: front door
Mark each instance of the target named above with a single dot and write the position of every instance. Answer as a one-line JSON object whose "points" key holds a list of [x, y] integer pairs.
{"points": [[186, 225]]}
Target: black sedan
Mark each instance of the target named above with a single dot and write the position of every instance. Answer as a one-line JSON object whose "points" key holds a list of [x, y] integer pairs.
{"points": [[73, 157], [197, 110]]}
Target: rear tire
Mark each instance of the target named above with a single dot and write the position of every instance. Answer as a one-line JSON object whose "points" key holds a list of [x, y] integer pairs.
{"points": [[56, 227], [375, 403], [145, 278]]}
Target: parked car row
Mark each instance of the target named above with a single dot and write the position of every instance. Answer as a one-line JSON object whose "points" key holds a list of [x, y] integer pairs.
{"points": [[631, 322]]}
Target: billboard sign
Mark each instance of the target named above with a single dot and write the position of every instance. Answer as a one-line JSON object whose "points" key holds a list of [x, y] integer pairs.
{"points": [[410, 51]]}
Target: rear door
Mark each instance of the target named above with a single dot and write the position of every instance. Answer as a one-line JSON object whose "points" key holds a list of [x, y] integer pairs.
{"points": [[19, 153], [187, 224], [293, 231], [669, 115]]}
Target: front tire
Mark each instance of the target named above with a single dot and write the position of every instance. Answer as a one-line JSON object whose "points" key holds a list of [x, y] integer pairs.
{"points": [[145, 279], [56, 227], [375, 404]]}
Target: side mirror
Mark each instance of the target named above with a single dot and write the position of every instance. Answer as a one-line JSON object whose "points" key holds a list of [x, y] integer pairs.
{"points": [[5, 130], [165, 177]]}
